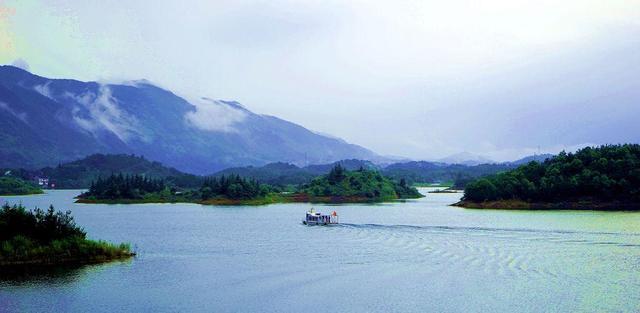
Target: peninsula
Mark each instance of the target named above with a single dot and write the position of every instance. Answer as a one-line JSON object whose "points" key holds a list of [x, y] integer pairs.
{"points": [[601, 178]]}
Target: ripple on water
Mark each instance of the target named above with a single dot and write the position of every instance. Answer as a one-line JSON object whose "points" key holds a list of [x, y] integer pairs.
{"points": [[494, 251]]}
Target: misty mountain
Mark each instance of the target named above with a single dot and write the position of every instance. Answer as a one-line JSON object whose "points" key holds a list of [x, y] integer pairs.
{"points": [[287, 174], [431, 172], [50, 121], [412, 171], [465, 158], [80, 173], [537, 157]]}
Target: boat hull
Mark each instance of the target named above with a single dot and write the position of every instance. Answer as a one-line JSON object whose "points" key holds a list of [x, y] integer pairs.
{"points": [[312, 223]]}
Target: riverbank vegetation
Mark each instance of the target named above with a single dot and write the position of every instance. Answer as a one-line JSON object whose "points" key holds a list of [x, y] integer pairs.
{"points": [[12, 186], [606, 177], [49, 237]]}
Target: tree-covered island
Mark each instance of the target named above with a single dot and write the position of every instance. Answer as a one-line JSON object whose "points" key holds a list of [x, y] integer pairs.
{"points": [[49, 238], [361, 185], [339, 186], [602, 178]]}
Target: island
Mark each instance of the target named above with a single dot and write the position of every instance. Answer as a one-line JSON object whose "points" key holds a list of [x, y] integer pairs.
{"points": [[362, 185], [593, 178], [50, 238], [14, 186], [338, 186]]}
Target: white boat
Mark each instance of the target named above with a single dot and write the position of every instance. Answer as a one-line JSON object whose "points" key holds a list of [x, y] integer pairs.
{"points": [[316, 218]]}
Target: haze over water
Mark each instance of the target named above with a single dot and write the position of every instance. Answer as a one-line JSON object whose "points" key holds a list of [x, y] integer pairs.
{"points": [[416, 256]]}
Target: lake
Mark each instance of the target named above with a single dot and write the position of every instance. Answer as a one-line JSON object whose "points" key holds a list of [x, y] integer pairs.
{"points": [[415, 256]]}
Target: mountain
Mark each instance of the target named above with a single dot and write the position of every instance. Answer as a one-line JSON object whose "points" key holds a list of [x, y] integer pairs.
{"points": [[536, 157], [80, 173], [430, 172], [288, 174], [350, 165], [273, 173], [51, 121], [465, 158], [412, 172]]}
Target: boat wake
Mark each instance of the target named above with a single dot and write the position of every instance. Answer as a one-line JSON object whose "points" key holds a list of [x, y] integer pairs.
{"points": [[495, 251], [481, 229]]}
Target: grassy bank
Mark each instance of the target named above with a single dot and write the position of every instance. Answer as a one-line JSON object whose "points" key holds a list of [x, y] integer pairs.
{"points": [[21, 250], [13, 186]]}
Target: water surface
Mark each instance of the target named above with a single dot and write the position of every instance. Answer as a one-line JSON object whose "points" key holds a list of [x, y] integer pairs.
{"points": [[416, 256]]}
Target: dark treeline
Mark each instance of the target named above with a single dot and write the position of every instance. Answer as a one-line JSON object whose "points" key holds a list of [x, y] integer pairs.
{"points": [[137, 187], [610, 172], [37, 225], [232, 187], [125, 187]]}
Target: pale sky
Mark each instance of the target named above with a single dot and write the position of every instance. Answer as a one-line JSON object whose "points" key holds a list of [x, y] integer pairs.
{"points": [[418, 79]]}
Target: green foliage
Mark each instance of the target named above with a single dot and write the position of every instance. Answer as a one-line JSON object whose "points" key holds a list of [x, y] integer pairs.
{"points": [[37, 225], [136, 188], [361, 183], [47, 237], [232, 187], [16, 186], [125, 187], [610, 172]]}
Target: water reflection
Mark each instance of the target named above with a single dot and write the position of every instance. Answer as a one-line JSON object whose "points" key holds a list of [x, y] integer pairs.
{"points": [[52, 275]]}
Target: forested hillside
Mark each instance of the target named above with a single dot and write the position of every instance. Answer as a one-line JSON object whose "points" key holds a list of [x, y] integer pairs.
{"points": [[606, 173]]}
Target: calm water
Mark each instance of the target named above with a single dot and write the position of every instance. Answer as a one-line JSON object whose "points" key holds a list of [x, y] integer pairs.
{"points": [[418, 256]]}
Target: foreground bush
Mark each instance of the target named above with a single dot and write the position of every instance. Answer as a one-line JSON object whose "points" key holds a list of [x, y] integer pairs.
{"points": [[51, 237]]}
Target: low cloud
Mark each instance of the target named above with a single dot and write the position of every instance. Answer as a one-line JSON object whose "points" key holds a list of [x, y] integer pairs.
{"points": [[212, 115], [19, 115], [101, 112], [44, 90], [21, 64], [512, 154]]}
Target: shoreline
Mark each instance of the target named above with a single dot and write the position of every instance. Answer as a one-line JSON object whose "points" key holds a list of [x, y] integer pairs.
{"points": [[563, 205], [66, 261], [297, 198], [22, 194]]}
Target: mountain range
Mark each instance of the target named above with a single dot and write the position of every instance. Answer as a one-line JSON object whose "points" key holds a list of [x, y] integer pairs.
{"points": [[465, 158], [51, 121]]}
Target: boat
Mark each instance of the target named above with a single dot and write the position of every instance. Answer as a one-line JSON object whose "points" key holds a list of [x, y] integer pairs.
{"points": [[316, 218]]}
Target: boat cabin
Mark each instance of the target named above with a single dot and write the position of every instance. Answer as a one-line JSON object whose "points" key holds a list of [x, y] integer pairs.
{"points": [[316, 218]]}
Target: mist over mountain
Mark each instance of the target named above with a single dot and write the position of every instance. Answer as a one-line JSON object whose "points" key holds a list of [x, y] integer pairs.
{"points": [[536, 157], [50, 121], [466, 158]]}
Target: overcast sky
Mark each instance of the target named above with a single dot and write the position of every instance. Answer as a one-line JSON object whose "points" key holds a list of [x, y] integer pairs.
{"points": [[419, 79]]}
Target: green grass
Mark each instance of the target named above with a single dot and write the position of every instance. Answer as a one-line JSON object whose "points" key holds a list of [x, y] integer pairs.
{"points": [[22, 250], [13, 186]]}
